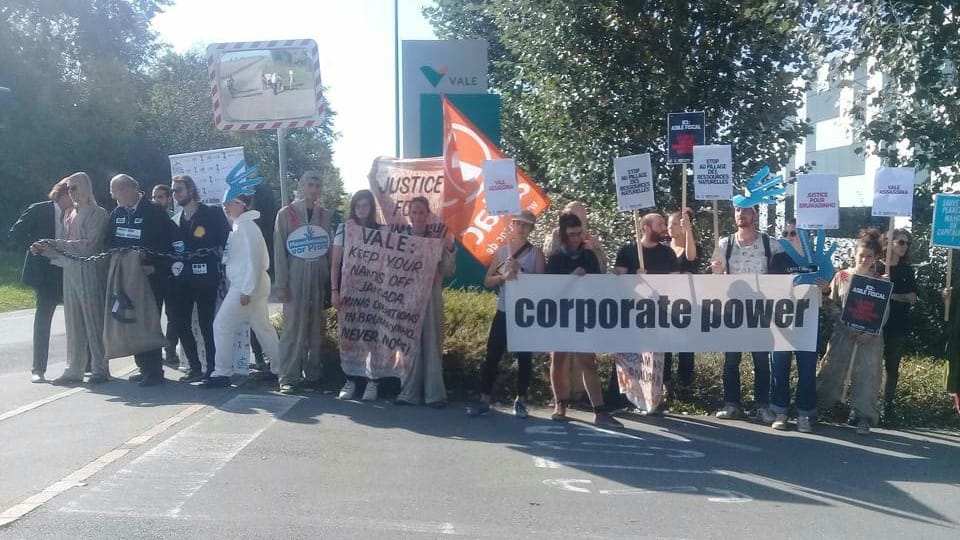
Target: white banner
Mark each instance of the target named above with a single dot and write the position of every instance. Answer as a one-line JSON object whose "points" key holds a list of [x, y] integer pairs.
{"points": [[817, 201], [893, 192], [500, 187], [209, 170], [661, 313], [712, 172], [633, 178]]}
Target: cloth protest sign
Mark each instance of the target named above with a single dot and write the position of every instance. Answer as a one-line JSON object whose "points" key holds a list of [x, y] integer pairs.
{"points": [[893, 192], [633, 177], [712, 172], [660, 313], [500, 187], [866, 303], [817, 201], [641, 379], [465, 148], [387, 281], [395, 182], [132, 319], [684, 131], [946, 221]]}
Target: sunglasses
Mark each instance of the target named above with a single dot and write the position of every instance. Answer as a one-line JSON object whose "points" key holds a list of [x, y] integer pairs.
{"points": [[902, 243], [790, 233]]}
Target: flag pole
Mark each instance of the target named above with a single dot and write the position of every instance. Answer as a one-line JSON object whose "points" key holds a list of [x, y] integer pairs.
{"points": [[396, 75]]}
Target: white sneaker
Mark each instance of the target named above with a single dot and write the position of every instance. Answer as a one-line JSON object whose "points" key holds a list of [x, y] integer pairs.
{"points": [[730, 412], [804, 425], [780, 423], [370, 392], [348, 390], [766, 416]]}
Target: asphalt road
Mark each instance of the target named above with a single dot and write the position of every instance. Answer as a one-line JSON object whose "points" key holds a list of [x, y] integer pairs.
{"points": [[119, 461], [250, 102]]}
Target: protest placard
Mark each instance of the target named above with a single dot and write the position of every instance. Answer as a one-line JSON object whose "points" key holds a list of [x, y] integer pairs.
{"points": [[712, 172], [893, 192], [395, 182], [866, 303], [660, 313], [684, 131], [641, 379], [817, 201], [500, 187], [633, 177], [387, 282], [946, 221]]}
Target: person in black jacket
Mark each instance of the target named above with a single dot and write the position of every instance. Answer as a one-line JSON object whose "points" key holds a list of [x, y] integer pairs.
{"points": [[137, 222], [41, 220], [195, 281], [574, 258]]}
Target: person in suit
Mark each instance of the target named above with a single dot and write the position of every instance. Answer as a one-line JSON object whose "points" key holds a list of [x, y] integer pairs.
{"points": [[42, 220]]}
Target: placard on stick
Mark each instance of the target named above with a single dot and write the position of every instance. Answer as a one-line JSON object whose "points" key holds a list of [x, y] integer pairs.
{"points": [[633, 177], [500, 187], [866, 303], [893, 192], [946, 221], [712, 172], [684, 131], [817, 201]]}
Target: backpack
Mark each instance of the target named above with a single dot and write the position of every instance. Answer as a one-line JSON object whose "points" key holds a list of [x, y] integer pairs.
{"points": [[766, 248]]}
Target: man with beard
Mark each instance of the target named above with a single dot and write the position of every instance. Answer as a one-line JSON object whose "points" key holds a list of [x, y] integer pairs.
{"points": [[748, 251], [658, 258], [195, 281]]}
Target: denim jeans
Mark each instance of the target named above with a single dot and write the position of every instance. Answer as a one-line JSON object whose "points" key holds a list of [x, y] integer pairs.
{"points": [[806, 382], [761, 378]]}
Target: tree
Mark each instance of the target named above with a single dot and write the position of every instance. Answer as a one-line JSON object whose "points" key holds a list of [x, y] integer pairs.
{"points": [[583, 82]]}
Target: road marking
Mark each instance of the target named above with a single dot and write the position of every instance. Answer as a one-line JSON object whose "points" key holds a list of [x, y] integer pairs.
{"points": [[50, 399], [544, 462], [79, 476], [566, 484], [165, 477], [629, 449]]}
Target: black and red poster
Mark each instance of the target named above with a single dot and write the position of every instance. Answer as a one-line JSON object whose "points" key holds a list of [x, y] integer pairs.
{"points": [[684, 131], [866, 303]]}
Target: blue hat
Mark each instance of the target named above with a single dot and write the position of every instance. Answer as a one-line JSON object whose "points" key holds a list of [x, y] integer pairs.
{"points": [[239, 182], [759, 191]]}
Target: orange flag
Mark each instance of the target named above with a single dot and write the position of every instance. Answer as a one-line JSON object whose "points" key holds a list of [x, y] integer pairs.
{"points": [[464, 206]]}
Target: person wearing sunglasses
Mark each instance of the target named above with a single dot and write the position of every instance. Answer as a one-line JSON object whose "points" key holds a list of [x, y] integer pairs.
{"points": [[897, 328]]}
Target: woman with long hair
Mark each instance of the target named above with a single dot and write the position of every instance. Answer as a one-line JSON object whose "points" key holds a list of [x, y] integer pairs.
{"points": [[423, 380], [852, 353], [897, 328], [84, 283], [363, 212]]}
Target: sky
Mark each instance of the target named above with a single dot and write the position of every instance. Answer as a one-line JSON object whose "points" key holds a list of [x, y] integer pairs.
{"points": [[355, 39]]}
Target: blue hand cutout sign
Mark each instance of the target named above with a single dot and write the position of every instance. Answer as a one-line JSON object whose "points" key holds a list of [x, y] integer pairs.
{"points": [[759, 191], [820, 257], [239, 182]]}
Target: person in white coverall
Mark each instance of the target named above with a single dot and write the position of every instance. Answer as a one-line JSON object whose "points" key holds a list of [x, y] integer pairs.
{"points": [[246, 260]]}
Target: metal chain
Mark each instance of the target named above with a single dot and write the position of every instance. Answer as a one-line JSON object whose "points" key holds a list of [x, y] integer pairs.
{"points": [[196, 254]]}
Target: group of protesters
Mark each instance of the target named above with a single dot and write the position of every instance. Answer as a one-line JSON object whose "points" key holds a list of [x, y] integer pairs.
{"points": [[215, 260]]}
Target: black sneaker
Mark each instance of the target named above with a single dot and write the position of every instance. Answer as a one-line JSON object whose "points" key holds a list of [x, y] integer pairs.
{"points": [[216, 382], [136, 377], [191, 377], [98, 379], [155, 380], [602, 419]]}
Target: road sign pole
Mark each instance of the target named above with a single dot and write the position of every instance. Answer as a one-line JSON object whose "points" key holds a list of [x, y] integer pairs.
{"points": [[282, 155]]}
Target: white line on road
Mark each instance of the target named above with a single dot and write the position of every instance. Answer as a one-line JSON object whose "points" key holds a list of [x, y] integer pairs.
{"points": [[50, 399], [75, 478], [553, 463]]}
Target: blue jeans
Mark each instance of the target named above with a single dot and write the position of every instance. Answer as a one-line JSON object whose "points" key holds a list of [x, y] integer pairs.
{"points": [[806, 382], [761, 378]]}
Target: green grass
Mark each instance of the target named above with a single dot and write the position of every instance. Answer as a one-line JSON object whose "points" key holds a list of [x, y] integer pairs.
{"points": [[13, 295]]}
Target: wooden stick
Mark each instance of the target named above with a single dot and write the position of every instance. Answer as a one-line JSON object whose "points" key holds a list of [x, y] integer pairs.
{"points": [[946, 299], [683, 191], [716, 226], [638, 228], [891, 262]]}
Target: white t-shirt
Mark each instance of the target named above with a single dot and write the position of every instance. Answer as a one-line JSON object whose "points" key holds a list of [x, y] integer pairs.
{"points": [[748, 259], [528, 265]]}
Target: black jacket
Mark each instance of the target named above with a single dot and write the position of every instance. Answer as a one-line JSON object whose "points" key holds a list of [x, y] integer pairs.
{"points": [[147, 225], [562, 262], [38, 222], [208, 228]]}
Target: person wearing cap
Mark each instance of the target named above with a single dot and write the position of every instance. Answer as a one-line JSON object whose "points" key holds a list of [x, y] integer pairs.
{"points": [[196, 280], [516, 257], [300, 279], [246, 261]]}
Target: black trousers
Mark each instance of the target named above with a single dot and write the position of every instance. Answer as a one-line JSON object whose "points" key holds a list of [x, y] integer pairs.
{"points": [[684, 368], [151, 362], [496, 347], [43, 317], [182, 296]]}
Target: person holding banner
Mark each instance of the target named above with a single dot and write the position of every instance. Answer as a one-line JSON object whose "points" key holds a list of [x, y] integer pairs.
{"points": [[517, 256], [246, 261], [748, 251], [423, 380], [897, 329], [574, 258], [852, 354], [362, 213], [299, 235], [683, 240], [590, 242]]}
